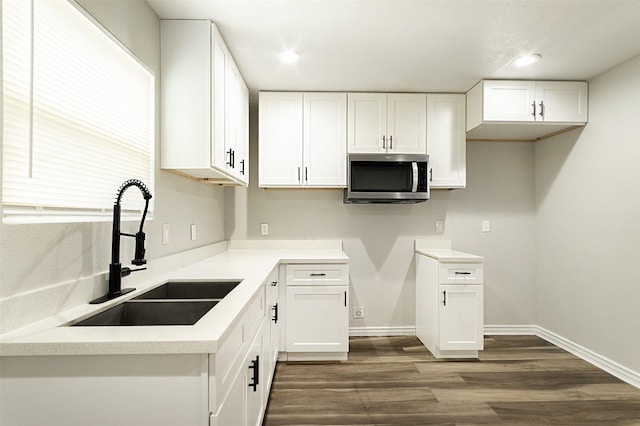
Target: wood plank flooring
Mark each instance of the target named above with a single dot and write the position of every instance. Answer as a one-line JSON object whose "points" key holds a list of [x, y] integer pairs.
{"points": [[517, 380]]}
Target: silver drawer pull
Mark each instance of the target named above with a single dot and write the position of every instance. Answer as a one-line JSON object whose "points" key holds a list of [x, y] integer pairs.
{"points": [[462, 273], [321, 274]]}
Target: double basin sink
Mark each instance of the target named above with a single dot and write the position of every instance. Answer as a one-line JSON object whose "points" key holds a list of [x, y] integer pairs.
{"points": [[172, 303]]}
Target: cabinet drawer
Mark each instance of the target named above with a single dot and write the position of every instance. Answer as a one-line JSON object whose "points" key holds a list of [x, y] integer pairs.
{"points": [[461, 273], [321, 274]]}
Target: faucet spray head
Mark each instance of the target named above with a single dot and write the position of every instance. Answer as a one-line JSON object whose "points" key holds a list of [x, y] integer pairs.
{"points": [[133, 182]]}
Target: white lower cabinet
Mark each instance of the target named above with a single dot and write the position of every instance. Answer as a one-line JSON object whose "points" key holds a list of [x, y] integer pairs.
{"points": [[449, 307], [317, 306]]}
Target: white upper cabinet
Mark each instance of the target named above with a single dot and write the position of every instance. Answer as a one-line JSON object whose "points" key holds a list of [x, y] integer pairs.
{"points": [[507, 109], [204, 105], [302, 139], [446, 140], [379, 122]]}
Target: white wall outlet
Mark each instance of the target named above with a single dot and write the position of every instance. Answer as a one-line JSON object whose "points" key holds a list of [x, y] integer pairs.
{"points": [[439, 226], [486, 226], [358, 312], [165, 234], [193, 232], [264, 229]]}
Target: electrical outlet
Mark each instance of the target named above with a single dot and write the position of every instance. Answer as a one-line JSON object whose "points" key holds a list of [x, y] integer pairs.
{"points": [[264, 229], [486, 226], [358, 312], [439, 226], [165, 234]]}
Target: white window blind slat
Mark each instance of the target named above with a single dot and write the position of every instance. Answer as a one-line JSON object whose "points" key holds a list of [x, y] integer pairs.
{"points": [[78, 114]]}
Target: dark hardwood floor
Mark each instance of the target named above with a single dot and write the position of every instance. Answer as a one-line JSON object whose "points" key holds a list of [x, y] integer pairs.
{"points": [[518, 380]]}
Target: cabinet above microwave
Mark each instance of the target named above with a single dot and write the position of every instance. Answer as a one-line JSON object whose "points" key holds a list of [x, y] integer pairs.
{"points": [[519, 110]]}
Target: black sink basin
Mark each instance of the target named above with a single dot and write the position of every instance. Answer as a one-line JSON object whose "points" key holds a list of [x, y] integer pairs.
{"points": [[190, 290], [150, 313]]}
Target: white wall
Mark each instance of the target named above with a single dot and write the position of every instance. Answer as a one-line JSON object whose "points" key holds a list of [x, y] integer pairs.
{"points": [[588, 223], [36, 256], [379, 238]]}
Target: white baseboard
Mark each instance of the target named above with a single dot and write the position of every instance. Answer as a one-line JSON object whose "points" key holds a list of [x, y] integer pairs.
{"points": [[621, 372], [381, 331]]}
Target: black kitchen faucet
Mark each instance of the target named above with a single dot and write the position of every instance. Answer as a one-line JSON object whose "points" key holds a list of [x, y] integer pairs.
{"points": [[116, 271]]}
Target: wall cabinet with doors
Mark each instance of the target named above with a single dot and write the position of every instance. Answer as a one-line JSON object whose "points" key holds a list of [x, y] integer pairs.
{"points": [[381, 122], [302, 140], [525, 110], [449, 304], [446, 140], [204, 105], [317, 306]]}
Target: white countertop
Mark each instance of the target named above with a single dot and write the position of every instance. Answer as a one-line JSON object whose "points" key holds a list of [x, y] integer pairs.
{"points": [[441, 251], [450, 256], [52, 337]]}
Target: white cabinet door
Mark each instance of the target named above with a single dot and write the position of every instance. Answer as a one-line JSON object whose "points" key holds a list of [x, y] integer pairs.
{"points": [[561, 101], [317, 318], [406, 123], [506, 100], [446, 140], [280, 139], [461, 317], [273, 320], [233, 411], [325, 139], [367, 122], [236, 141], [254, 388]]}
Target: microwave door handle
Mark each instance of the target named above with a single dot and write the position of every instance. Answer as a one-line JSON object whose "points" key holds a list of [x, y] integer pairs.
{"points": [[414, 187]]}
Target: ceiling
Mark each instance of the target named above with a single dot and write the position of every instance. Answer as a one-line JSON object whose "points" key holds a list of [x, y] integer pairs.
{"points": [[415, 45]]}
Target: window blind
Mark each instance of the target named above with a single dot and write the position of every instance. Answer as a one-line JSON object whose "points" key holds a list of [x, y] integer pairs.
{"points": [[78, 115]]}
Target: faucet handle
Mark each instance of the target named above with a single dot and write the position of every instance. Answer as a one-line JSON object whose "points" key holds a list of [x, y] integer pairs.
{"points": [[127, 271], [140, 250]]}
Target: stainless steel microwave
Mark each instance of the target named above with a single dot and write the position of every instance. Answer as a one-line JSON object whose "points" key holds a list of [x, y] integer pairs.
{"points": [[387, 178]]}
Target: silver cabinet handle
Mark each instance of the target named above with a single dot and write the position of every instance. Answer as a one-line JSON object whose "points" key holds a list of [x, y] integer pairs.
{"points": [[533, 112], [384, 145], [390, 142], [462, 273], [299, 175], [317, 274], [541, 109], [306, 174], [444, 300]]}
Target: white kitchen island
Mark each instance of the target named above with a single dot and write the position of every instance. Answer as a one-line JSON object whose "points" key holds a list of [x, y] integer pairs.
{"points": [[202, 374]]}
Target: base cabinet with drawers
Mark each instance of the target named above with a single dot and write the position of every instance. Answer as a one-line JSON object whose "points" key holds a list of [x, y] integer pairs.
{"points": [[317, 307], [449, 306]]}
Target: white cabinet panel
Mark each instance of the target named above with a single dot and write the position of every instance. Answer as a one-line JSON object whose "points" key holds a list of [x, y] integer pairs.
{"points": [[461, 317], [280, 139], [562, 101], [367, 122], [325, 139], [509, 100], [407, 123], [317, 319], [446, 140]]}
